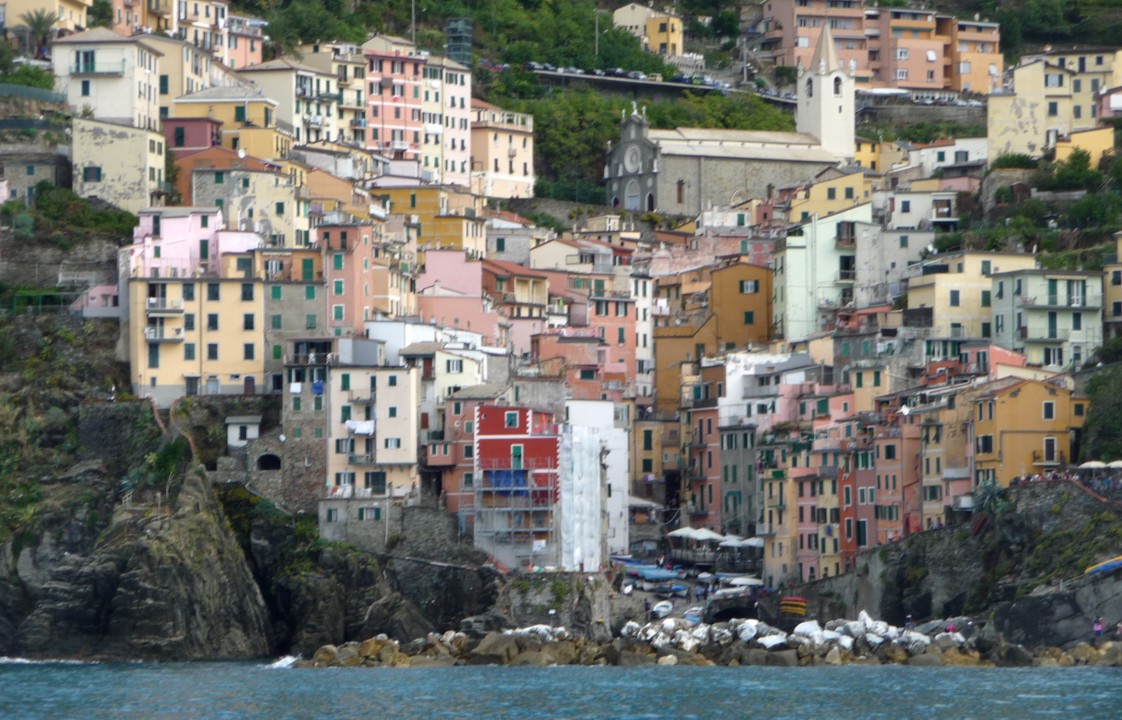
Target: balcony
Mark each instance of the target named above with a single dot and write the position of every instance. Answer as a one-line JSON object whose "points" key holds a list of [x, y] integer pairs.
{"points": [[845, 242], [336, 97], [358, 123], [163, 306], [1051, 460], [767, 529], [846, 277], [304, 91], [109, 68], [160, 7], [1055, 301], [313, 120], [367, 459], [159, 334], [363, 398]]}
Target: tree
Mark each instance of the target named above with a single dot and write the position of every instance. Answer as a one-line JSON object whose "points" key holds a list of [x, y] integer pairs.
{"points": [[38, 25], [1102, 430], [101, 14]]}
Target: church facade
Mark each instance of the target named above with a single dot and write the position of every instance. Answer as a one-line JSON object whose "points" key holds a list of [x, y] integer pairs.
{"points": [[688, 170]]}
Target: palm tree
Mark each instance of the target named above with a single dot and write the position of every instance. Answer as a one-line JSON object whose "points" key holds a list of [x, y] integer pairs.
{"points": [[38, 25]]}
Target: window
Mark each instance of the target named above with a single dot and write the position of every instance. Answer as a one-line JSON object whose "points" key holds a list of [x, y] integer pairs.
{"points": [[280, 208], [901, 53], [749, 317], [247, 292], [248, 351], [986, 298], [188, 292], [831, 193], [392, 443], [1049, 410], [392, 411], [454, 366], [954, 298], [1053, 109], [510, 419], [212, 321], [91, 174], [212, 291], [749, 287], [212, 351], [247, 321], [890, 451], [1077, 409], [85, 88], [189, 351], [985, 444], [587, 374], [905, 206], [903, 241], [392, 381], [189, 322]]}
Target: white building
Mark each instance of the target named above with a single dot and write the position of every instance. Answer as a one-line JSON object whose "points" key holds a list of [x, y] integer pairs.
{"points": [[602, 418]]}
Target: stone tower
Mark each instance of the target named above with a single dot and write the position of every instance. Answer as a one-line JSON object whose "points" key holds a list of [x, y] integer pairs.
{"points": [[826, 99]]}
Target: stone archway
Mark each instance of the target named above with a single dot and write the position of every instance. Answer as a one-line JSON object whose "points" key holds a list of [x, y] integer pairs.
{"points": [[269, 461]]}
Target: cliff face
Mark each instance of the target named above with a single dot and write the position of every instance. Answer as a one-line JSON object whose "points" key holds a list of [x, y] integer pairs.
{"points": [[165, 582], [1022, 571]]}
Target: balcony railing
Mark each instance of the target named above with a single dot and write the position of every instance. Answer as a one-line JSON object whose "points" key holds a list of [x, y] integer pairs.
{"points": [[112, 68], [847, 276], [1039, 458], [168, 334], [366, 459], [156, 305]]}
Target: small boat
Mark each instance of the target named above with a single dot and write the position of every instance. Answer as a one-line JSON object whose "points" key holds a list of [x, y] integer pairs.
{"points": [[1106, 566], [671, 590], [662, 609], [694, 614]]}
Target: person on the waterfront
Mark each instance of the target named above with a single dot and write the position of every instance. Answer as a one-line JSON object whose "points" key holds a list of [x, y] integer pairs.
{"points": [[1097, 628]]}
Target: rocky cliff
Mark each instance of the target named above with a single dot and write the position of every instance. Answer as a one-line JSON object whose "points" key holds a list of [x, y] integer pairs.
{"points": [[1020, 569]]}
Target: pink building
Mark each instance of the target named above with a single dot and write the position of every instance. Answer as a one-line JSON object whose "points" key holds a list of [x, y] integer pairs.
{"points": [[395, 84], [188, 135], [450, 293], [349, 265]]}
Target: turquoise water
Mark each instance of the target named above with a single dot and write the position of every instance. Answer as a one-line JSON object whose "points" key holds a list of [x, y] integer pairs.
{"points": [[243, 690]]}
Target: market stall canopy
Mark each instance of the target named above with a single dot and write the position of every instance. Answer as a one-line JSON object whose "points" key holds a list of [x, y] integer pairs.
{"points": [[745, 581], [1092, 465], [705, 534]]}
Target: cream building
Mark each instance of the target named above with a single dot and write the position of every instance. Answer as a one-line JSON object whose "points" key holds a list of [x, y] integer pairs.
{"points": [[446, 111], [346, 63], [184, 69], [114, 77], [307, 98], [119, 164], [952, 294], [502, 152], [1048, 102]]}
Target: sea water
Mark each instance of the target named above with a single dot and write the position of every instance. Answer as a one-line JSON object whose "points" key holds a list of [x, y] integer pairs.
{"points": [[249, 690]]}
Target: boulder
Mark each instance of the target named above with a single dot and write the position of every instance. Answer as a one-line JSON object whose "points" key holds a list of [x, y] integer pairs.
{"points": [[1083, 654], [629, 658], [809, 628], [325, 656], [532, 658], [495, 648], [770, 642], [348, 656], [754, 656], [372, 646], [563, 652], [783, 658], [397, 617], [668, 660], [925, 660], [1014, 656], [890, 652], [833, 657]]}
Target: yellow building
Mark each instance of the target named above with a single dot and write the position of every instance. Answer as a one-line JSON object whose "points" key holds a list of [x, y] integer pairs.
{"points": [[953, 294], [831, 191], [184, 68], [249, 119], [195, 310], [878, 155], [1023, 428], [72, 14], [1049, 101], [446, 217], [119, 164], [659, 32], [740, 297], [1098, 143]]}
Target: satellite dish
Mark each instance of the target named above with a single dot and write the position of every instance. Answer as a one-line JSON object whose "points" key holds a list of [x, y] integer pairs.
{"points": [[905, 411], [241, 154], [283, 437]]}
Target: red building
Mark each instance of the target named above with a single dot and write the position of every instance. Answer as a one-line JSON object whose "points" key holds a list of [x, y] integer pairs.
{"points": [[517, 456], [189, 135]]}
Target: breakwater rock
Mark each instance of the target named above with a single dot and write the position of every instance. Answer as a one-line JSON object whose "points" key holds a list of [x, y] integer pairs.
{"points": [[956, 641]]}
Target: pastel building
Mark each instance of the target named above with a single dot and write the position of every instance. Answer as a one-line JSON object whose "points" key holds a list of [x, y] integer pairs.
{"points": [[306, 97], [120, 164], [502, 152], [394, 80], [1053, 317], [195, 306], [115, 78]]}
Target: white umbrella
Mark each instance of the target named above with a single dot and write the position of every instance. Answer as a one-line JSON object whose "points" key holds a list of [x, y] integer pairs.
{"points": [[745, 581], [1092, 465], [1114, 465], [704, 534], [686, 532]]}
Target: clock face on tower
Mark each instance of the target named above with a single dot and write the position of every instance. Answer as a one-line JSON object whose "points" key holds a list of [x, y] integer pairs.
{"points": [[631, 159]]}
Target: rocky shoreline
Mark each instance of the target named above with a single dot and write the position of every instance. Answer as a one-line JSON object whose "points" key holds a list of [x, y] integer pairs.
{"points": [[950, 642]]}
